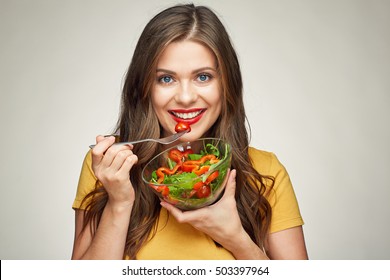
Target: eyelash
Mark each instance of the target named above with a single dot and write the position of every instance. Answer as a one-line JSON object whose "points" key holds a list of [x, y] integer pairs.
{"points": [[207, 77], [161, 79]]}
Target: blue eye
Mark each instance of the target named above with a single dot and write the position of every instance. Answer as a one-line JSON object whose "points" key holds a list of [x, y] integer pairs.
{"points": [[204, 77], [165, 79]]}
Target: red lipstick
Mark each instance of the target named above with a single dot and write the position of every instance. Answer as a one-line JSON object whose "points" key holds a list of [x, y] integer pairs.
{"points": [[185, 115]]}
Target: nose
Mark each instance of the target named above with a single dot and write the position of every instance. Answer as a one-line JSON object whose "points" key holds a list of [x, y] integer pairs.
{"points": [[186, 93]]}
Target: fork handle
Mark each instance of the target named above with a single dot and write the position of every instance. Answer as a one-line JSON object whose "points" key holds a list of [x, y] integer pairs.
{"points": [[166, 140], [124, 143]]}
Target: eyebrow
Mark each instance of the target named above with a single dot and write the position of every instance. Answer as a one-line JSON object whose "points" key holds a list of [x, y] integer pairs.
{"points": [[193, 72]]}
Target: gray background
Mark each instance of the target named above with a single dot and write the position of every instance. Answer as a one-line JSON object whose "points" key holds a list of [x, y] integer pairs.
{"points": [[317, 91]]}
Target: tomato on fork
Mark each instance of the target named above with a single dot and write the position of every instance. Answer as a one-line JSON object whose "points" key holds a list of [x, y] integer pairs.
{"points": [[181, 126]]}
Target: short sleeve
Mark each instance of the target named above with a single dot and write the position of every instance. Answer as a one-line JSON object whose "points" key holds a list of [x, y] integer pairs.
{"points": [[282, 198], [87, 182]]}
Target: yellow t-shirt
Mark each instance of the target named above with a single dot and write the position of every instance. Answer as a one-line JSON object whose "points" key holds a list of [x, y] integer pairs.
{"points": [[181, 241]]}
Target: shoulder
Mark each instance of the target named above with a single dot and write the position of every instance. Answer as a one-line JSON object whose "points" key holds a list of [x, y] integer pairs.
{"points": [[87, 167], [87, 180], [88, 159], [265, 162], [281, 195]]}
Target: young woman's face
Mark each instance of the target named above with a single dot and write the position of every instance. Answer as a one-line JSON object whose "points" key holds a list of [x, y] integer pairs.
{"points": [[187, 88]]}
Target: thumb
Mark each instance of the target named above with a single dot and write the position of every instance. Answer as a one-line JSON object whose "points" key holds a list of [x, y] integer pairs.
{"points": [[100, 138], [230, 189]]}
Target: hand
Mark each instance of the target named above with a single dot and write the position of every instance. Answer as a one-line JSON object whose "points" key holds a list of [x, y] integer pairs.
{"points": [[220, 221], [111, 165]]}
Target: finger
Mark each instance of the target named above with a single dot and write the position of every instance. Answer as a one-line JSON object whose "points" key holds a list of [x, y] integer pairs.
{"points": [[128, 163], [118, 157], [102, 144], [130, 146], [115, 155], [124, 161], [185, 216], [100, 138], [175, 212], [230, 189]]}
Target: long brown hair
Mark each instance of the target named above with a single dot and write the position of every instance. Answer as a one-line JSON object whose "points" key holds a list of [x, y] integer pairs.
{"points": [[138, 120]]}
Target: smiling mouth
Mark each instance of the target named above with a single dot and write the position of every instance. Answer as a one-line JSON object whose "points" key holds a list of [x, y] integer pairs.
{"points": [[187, 115]]}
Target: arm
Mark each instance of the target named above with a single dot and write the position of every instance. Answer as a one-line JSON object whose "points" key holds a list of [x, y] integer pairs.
{"points": [[109, 240], [111, 165], [287, 244]]}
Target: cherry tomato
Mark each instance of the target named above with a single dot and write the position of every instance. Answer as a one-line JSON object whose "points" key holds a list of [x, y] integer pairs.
{"points": [[203, 191], [181, 126]]}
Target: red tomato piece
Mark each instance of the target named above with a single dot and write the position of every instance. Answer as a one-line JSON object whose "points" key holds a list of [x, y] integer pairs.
{"points": [[203, 192], [181, 126]]}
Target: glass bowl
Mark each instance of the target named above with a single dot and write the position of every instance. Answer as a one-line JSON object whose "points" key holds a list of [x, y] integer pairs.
{"points": [[190, 175]]}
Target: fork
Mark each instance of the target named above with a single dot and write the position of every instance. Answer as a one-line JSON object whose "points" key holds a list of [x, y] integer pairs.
{"points": [[166, 140]]}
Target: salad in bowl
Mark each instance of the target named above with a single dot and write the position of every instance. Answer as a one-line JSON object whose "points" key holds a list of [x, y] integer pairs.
{"points": [[190, 175]]}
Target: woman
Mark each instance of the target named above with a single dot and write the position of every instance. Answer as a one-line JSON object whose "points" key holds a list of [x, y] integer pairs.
{"points": [[184, 68]]}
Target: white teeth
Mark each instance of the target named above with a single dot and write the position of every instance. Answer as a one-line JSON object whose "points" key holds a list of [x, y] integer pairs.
{"points": [[186, 116]]}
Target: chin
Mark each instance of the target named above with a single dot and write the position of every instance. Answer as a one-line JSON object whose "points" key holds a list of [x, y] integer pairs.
{"points": [[190, 137]]}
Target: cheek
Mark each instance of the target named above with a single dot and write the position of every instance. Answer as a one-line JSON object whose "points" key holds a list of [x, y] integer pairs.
{"points": [[161, 96], [214, 98], [159, 104], [157, 101]]}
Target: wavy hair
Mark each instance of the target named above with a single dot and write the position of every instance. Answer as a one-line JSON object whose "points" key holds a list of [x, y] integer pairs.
{"points": [[200, 24]]}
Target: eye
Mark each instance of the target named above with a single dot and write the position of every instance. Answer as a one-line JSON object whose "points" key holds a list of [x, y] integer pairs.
{"points": [[203, 77], [165, 79]]}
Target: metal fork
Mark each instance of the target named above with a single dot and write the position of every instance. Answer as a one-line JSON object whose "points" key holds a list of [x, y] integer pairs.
{"points": [[166, 140]]}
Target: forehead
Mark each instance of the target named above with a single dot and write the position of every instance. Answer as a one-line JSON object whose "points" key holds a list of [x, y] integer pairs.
{"points": [[186, 54]]}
